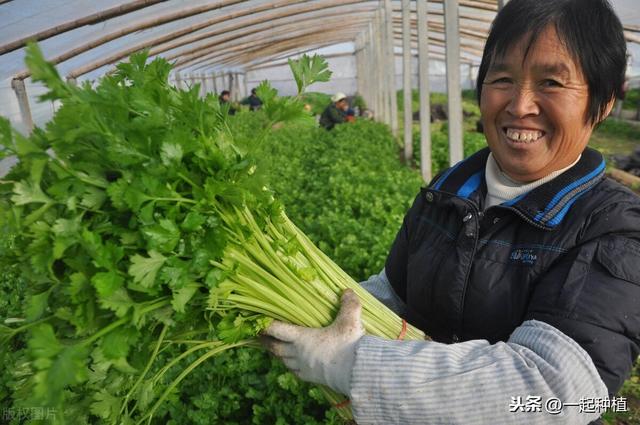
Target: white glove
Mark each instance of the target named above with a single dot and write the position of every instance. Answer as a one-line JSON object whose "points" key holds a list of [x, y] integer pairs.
{"points": [[320, 355]]}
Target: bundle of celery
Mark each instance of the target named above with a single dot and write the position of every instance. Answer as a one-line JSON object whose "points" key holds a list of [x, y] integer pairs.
{"points": [[140, 224]]}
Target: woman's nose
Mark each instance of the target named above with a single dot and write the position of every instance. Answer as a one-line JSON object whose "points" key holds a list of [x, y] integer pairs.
{"points": [[523, 102]]}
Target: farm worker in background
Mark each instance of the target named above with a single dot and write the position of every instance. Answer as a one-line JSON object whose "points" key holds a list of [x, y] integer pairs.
{"points": [[335, 113], [253, 101], [521, 262], [224, 99]]}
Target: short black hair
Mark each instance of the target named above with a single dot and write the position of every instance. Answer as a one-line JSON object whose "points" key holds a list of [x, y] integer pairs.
{"points": [[590, 30], [253, 91], [225, 92]]}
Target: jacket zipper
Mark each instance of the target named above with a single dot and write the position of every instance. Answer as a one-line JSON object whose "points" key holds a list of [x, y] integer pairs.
{"points": [[468, 272]]}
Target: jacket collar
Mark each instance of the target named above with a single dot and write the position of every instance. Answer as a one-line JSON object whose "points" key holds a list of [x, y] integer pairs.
{"points": [[546, 205]]}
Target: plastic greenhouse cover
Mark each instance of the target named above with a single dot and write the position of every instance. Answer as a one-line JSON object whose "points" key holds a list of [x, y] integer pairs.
{"points": [[21, 18]]}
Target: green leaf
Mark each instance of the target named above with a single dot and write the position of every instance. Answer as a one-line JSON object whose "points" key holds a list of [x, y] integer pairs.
{"points": [[163, 236], [119, 302], [146, 394], [36, 305], [308, 70], [193, 221], [171, 153], [144, 270], [106, 283], [93, 198], [45, 72], [57, 366], [266, 93], [43, 342], [27, 192], [105, 405], [182, 296], [65, 227], [233, 327], [117, 343]]}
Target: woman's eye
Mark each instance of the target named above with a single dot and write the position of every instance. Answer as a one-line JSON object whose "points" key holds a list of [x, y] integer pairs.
{"points": [[501, 80], [551, 83]]}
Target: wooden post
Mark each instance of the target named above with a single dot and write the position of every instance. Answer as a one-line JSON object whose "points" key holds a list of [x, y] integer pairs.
{"points": [[376, 70], [391, 66], [245, 84], [360, 74], [383, 65], [23, 103], [203, 84], [236, 77], [178, 81], [371, 66], [406, 80], [454, 96], [370, 80], [425, 105]]}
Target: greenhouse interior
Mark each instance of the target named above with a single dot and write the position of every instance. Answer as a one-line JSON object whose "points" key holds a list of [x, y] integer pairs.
{"points": [[178, 177]]}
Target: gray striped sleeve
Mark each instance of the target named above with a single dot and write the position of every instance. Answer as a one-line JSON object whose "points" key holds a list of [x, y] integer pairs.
{"points": [[379, 286], [421, 382]]}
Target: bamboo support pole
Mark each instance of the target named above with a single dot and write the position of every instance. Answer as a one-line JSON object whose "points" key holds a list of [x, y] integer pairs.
{"points": [[273, 17], [463, 15], [406, 82], [423, 77], [454, 95], [283, 33], [203, 84], [289, 47], [247, 57], [359, 71], [371, 48], [143, 25], [92, 19], [243, 23], [283, 59], [391, 66], [379, 65], [267, 32], [23, 103], [625, 178], [370, 80]]}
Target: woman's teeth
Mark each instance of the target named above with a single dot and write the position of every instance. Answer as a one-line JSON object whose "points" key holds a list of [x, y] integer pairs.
{"points": [[526, 136]]}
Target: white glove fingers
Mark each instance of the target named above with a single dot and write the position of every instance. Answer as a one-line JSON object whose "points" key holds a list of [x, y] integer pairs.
{"points": [[283, 331], [278, 347], [348, 319], [292, 364]]}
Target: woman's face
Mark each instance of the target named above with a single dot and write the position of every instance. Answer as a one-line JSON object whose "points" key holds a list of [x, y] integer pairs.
{"points": [[534, 109]]}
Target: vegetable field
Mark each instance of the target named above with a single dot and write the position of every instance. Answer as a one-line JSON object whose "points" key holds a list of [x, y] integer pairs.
{"points": [[144, 244]]}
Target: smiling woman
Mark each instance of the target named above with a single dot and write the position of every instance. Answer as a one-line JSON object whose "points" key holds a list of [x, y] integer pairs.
{"points": [[541, 96], [534, 108], [520, 261]]}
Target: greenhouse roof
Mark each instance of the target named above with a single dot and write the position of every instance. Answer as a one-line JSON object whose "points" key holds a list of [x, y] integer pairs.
{"points": [[86, 38]]}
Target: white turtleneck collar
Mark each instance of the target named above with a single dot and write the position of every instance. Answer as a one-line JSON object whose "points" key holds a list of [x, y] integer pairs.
{"points": [[501, 188]]}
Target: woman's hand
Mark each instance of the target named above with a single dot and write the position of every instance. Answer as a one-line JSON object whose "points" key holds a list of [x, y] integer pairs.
{"points": [[325, 355]]}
